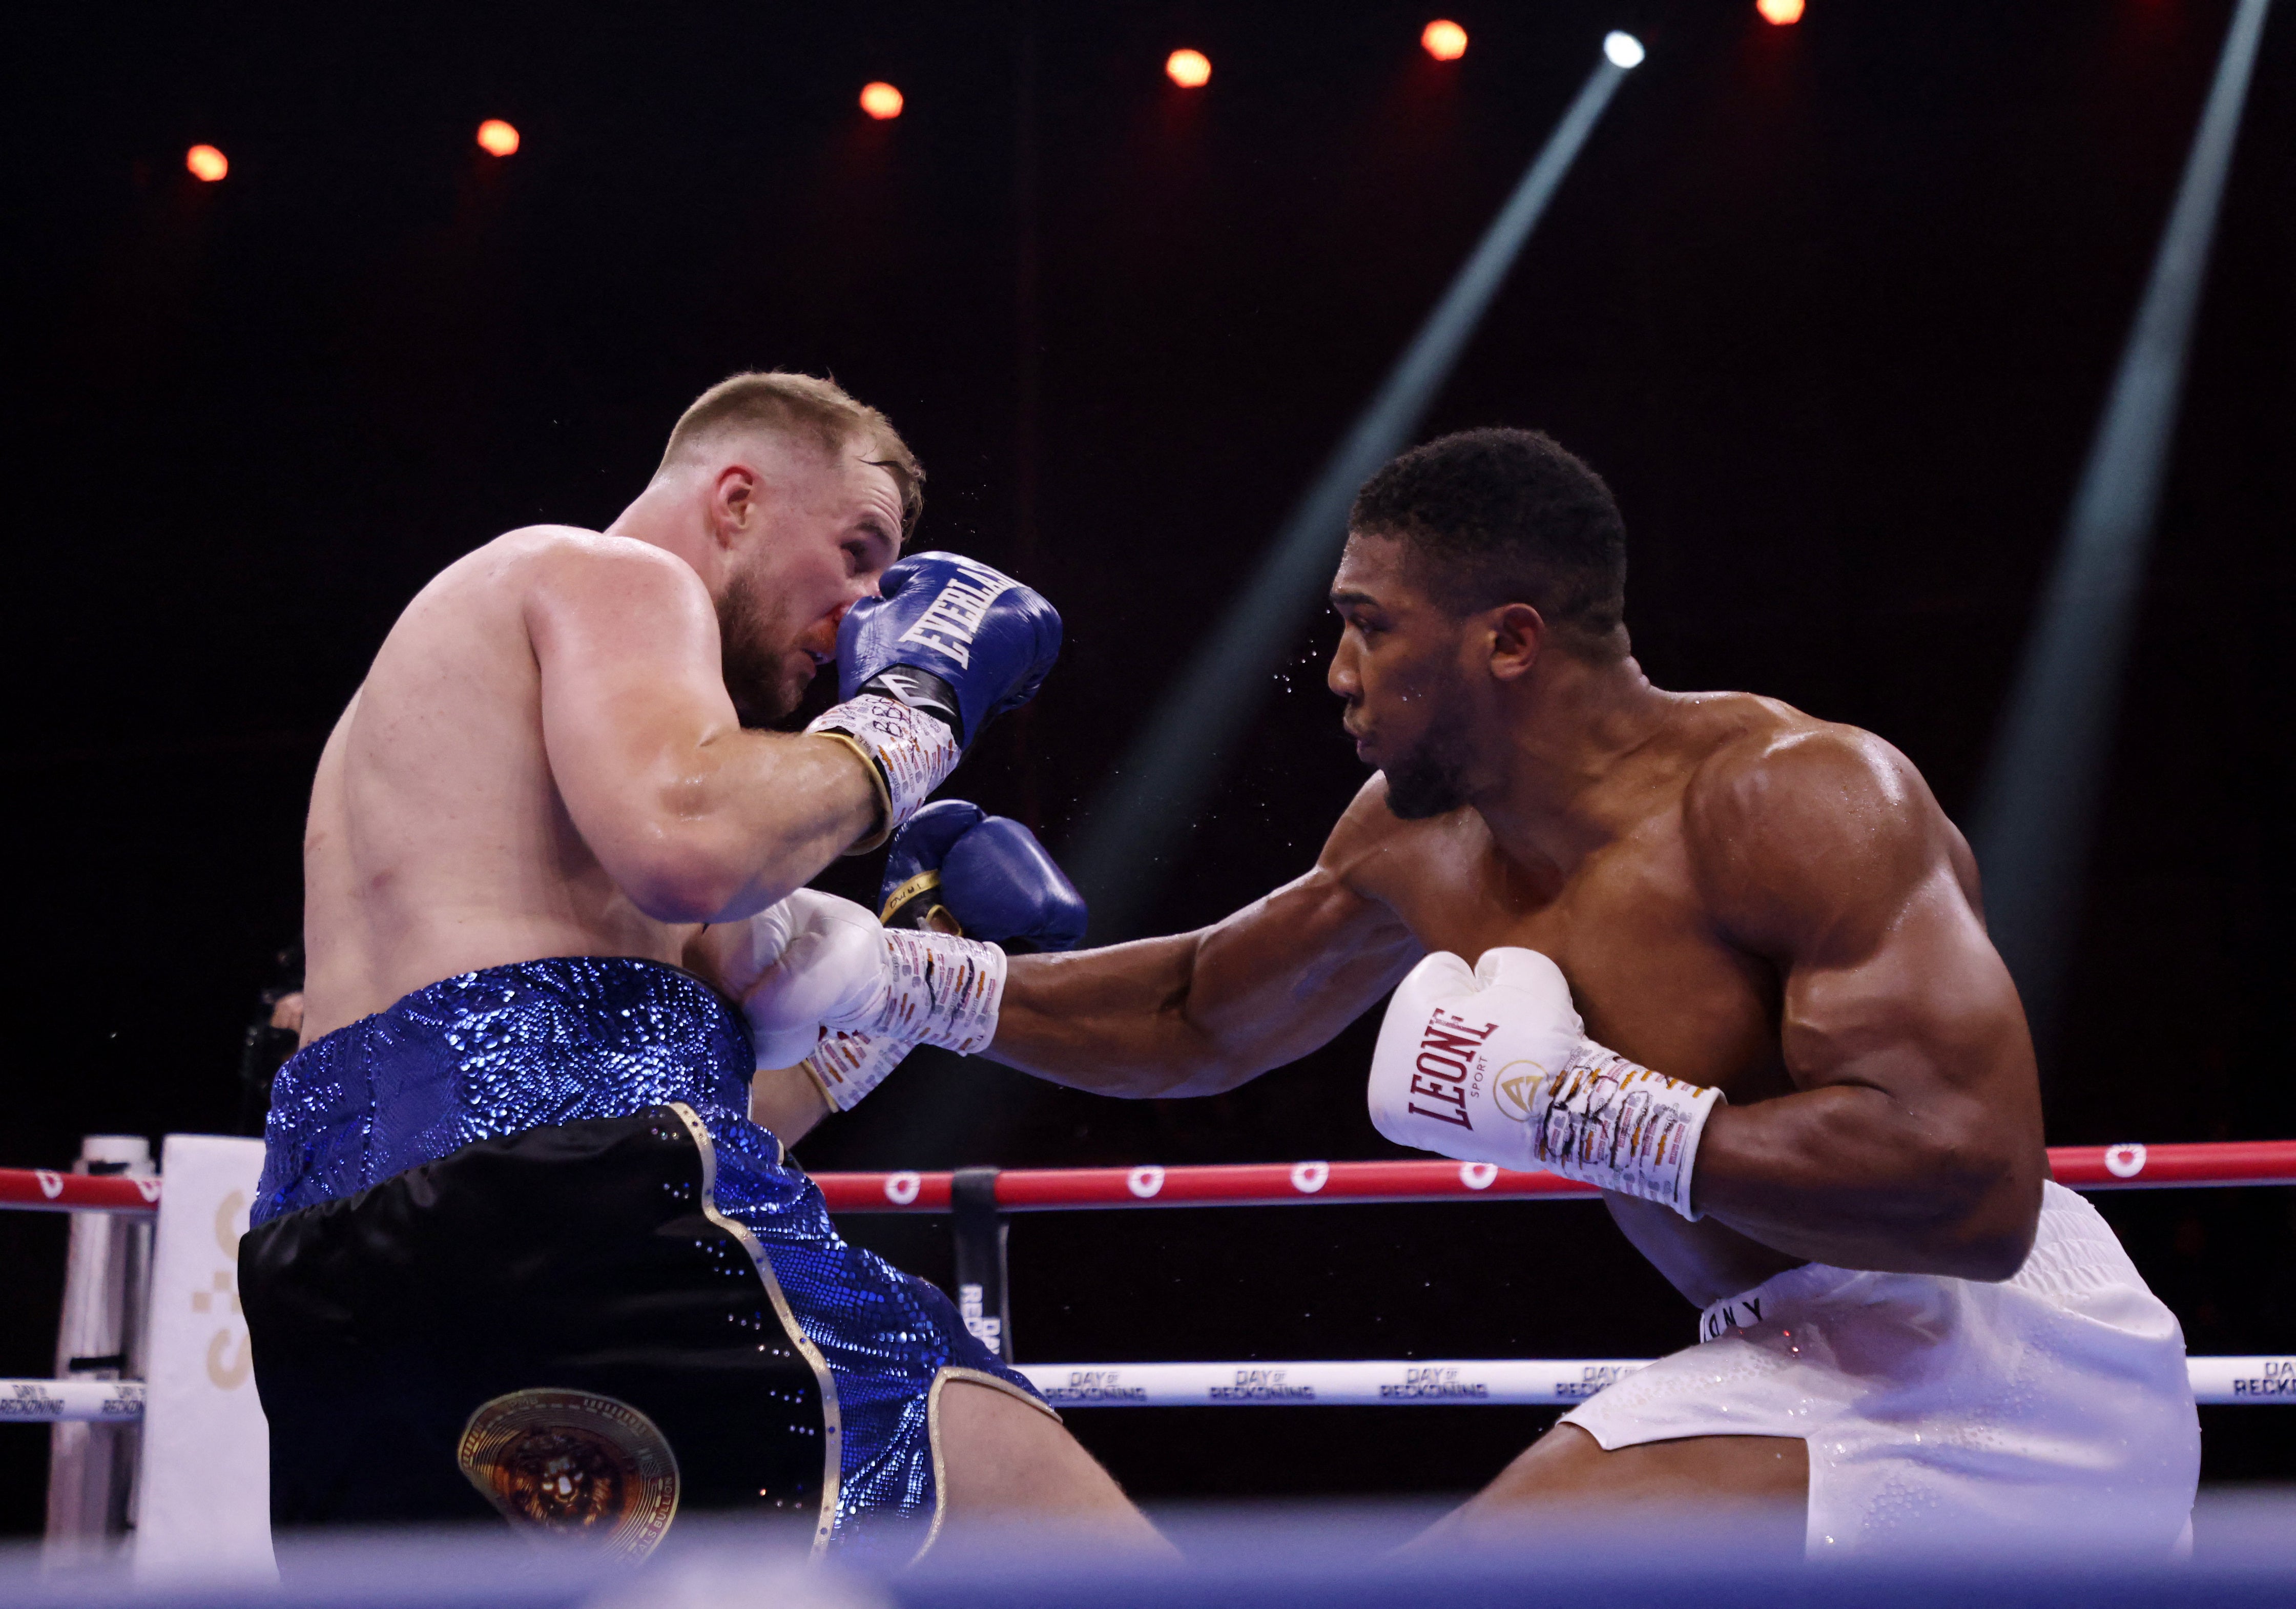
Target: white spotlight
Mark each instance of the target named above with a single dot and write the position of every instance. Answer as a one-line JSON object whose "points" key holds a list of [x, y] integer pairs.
{"points": [[1623, 49]]}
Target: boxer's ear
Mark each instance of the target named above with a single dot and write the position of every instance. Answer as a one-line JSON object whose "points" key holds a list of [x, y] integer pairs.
{"points": [[1517, 632], [736, 502]]}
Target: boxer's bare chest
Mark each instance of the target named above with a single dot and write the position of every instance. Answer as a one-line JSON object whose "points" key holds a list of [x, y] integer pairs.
{"points": [[1649, 968]]}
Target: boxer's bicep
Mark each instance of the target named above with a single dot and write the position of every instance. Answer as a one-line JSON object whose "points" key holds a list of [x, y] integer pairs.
{"points": [[1916, 1123], [695, 819], [1827, 857], [625, 645]]}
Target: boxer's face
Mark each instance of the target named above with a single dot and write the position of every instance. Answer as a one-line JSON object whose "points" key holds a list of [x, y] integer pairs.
{"points": [[1402, 666], [821, 531]]}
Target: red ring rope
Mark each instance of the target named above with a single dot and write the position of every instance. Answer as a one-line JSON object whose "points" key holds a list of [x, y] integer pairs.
{"points": [[2123, 1167]]}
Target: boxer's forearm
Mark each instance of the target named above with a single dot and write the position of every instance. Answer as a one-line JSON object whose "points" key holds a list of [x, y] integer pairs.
{"points": [[1114, 1021], [786, 1101], [1198, 1014], [1201, 1013], [1849, 1174], [736, 823]]}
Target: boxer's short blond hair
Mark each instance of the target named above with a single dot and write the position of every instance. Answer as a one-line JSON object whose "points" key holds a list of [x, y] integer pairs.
{"points": [[807, 405]]}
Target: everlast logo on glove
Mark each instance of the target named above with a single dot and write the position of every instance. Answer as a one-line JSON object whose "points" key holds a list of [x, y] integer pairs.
{"points": [[918, 690], [1448, 1047], [950, 619]]}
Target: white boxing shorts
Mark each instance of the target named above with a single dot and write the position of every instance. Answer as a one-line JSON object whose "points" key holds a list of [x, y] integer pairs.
{"points": [[2053, 1405]]}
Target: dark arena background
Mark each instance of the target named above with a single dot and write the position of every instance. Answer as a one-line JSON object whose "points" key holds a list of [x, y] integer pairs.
{"points": [[1835, 306]]}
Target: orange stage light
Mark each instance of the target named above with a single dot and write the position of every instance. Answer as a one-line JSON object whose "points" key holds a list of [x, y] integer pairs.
{"points": [[1780, 11], [1189, 69], [496, 137], [207, 163], [880, 100], [1444, 41]]}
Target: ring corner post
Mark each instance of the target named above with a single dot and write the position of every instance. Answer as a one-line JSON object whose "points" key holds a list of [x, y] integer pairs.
{"points": [[100, 1336]]}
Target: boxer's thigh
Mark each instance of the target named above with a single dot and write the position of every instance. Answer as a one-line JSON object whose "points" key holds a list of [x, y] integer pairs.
{"points": [[1002, 1460], [1760, 1484]]}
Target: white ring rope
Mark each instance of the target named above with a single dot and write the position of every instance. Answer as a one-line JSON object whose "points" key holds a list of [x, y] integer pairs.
{"points": [[54, 1401], [1487, 1382]]}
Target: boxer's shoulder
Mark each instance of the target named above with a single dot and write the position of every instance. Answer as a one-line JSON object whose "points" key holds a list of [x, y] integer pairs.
{"points": [[518, 563], [1781, 808], [1378, 854], [1758, 762], [554, 569], [567, 554]]}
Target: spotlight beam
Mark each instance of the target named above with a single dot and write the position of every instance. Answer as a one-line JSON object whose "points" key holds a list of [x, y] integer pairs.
{"points": [[1143, 810], [2037, 801]]}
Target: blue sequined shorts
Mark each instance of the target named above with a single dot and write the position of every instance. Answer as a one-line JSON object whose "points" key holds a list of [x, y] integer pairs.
{"points": [[542, 1178]]}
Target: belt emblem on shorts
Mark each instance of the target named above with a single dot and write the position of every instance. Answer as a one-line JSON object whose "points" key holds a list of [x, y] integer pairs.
{"points": [[574, 1464]]}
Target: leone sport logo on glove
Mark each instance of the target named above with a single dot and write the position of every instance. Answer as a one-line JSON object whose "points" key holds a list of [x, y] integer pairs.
{"points": [[1448, 1066]]}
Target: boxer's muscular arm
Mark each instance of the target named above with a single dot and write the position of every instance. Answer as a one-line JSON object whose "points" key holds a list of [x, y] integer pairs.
{"points": [[1205, 1011], [695, 819], [1913, 1141]]}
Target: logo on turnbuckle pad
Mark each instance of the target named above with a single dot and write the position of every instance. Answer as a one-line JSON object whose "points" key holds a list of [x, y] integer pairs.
{"points": [[576, 1464]]}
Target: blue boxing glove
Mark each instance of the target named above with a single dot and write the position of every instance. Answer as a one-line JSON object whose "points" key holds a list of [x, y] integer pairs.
{"points": [[987, 875], [981, 641], [947, 645]]}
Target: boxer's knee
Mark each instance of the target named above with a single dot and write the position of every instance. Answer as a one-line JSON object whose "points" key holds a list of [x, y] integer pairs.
{"points": [[1004, 1459]]}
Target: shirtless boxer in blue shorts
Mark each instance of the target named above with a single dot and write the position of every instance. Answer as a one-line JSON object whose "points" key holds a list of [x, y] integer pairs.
{"points": [[528, 1241]]}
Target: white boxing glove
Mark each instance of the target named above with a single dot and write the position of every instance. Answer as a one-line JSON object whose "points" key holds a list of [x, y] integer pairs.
{"points": [[830, 988], [1494, 1065], [815, 960]]}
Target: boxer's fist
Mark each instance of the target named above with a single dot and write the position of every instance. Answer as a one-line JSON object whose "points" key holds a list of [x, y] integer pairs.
{"points": [[824, 986], [987, 874], [1461, 1054], [1495, 1066], [815, 962], [948, 644], [949, 635]]}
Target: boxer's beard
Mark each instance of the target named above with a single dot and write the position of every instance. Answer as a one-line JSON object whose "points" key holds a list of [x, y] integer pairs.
{"points": [[753, 649], [1431, 779]]}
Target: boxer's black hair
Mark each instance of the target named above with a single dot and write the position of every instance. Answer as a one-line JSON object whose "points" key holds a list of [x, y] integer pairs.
{"points": [[1506, 516]]}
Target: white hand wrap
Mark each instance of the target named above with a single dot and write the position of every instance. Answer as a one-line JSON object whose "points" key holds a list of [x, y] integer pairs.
{"points": [[1494, 1066], [1611, 1123], [940, 991], [850, 1062], [910, 752]]}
